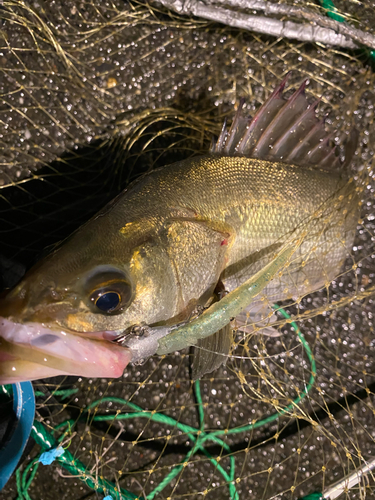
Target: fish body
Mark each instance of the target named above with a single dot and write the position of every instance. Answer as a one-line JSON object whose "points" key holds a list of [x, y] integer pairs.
{"points": [[161, 247]]}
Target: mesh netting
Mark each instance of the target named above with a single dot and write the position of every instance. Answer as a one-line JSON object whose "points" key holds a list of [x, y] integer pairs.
{"points": [[93, 95]]}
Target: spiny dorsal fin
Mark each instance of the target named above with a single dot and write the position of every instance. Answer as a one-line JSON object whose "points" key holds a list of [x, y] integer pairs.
{"points": [[285, 130]]}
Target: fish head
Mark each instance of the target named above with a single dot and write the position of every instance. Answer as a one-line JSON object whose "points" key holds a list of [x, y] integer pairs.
{"points": [[65, 311]]}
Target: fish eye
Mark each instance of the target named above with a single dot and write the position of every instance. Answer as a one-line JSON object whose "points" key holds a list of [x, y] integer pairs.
{"points": [[111, 298], [108, 302], [109, 291]]}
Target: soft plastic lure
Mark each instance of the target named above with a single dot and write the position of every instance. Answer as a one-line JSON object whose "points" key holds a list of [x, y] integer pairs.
{"points": [[163, 340]]}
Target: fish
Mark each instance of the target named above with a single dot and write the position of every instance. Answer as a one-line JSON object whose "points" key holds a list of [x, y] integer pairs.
{"points": [[179, 237]]}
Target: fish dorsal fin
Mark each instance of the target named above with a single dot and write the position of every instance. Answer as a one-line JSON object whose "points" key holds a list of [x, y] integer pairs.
{"points": [[285, 130]]}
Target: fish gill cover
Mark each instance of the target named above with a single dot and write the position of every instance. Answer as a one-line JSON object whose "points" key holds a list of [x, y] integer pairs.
{"points": [[94, 94]]}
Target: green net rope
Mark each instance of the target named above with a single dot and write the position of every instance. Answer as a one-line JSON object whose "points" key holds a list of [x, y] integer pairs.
{"points": [[334, 14], [197, 435]]}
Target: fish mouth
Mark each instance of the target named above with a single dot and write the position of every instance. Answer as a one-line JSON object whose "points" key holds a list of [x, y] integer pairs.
{"points": [[29, 351]]}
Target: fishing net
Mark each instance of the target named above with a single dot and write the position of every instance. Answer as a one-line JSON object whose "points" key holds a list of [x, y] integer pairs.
{"points": [[93, 95]]}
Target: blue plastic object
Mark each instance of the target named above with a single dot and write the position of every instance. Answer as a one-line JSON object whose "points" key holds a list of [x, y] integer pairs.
{"points": [[50, 456], [24, 408]]}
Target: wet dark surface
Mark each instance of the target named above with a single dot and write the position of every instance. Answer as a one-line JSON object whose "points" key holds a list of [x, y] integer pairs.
{"points": [[66, 102]]}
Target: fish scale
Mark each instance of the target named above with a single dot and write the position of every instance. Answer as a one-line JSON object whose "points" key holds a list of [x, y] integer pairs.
{"points": [[160, 251], [261, 203]]}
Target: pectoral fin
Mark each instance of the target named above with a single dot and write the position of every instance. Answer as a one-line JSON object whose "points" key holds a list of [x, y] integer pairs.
{"points": [[211, 352]]}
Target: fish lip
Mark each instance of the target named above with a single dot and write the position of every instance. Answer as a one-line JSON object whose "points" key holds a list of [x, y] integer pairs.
{"points": [[57, 350], [107, 335]]}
